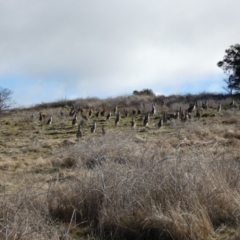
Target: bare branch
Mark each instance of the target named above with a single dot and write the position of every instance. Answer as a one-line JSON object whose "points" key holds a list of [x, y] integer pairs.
{"points": [[5, 99]]}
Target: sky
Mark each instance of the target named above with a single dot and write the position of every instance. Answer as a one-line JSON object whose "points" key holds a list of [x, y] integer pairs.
{"points": [[68, 49]]}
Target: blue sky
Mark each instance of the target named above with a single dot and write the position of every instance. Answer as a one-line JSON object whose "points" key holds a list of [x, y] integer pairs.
{"points": [[30, 92], [50, 50]]}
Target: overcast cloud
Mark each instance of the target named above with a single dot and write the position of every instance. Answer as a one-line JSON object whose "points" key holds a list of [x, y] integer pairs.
{"points": [[106, 48]]}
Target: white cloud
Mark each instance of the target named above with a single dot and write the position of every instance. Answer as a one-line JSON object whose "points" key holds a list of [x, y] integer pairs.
{"points": [[111, 46]]}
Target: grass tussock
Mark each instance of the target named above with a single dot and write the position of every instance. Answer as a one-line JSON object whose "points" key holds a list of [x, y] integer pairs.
{"points": [[23, 216], [232, 134], [146, 196], [231, 120]]}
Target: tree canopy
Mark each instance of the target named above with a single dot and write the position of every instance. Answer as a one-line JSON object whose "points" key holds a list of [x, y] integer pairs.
{"points": [[144, 92], [231, 66], [5, 99]]}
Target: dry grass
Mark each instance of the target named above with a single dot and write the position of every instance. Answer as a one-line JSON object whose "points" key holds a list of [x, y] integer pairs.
{"points": [[141, 194], [232, 134], [178, 182]]}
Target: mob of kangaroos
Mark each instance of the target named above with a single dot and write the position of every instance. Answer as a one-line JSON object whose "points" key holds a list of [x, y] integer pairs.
{"points": [[150, 117]]}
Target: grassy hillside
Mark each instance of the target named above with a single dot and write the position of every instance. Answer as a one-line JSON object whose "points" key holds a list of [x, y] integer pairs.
{"points": [[179, 181]]}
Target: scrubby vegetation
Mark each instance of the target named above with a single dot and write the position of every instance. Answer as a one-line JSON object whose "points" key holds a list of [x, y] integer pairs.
{"points": [[145, 92], [180, 181]]}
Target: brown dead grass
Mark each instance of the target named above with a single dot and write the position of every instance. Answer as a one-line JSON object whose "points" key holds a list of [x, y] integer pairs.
{"points": [[177, 182], [232, 134], [120, 192]]}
